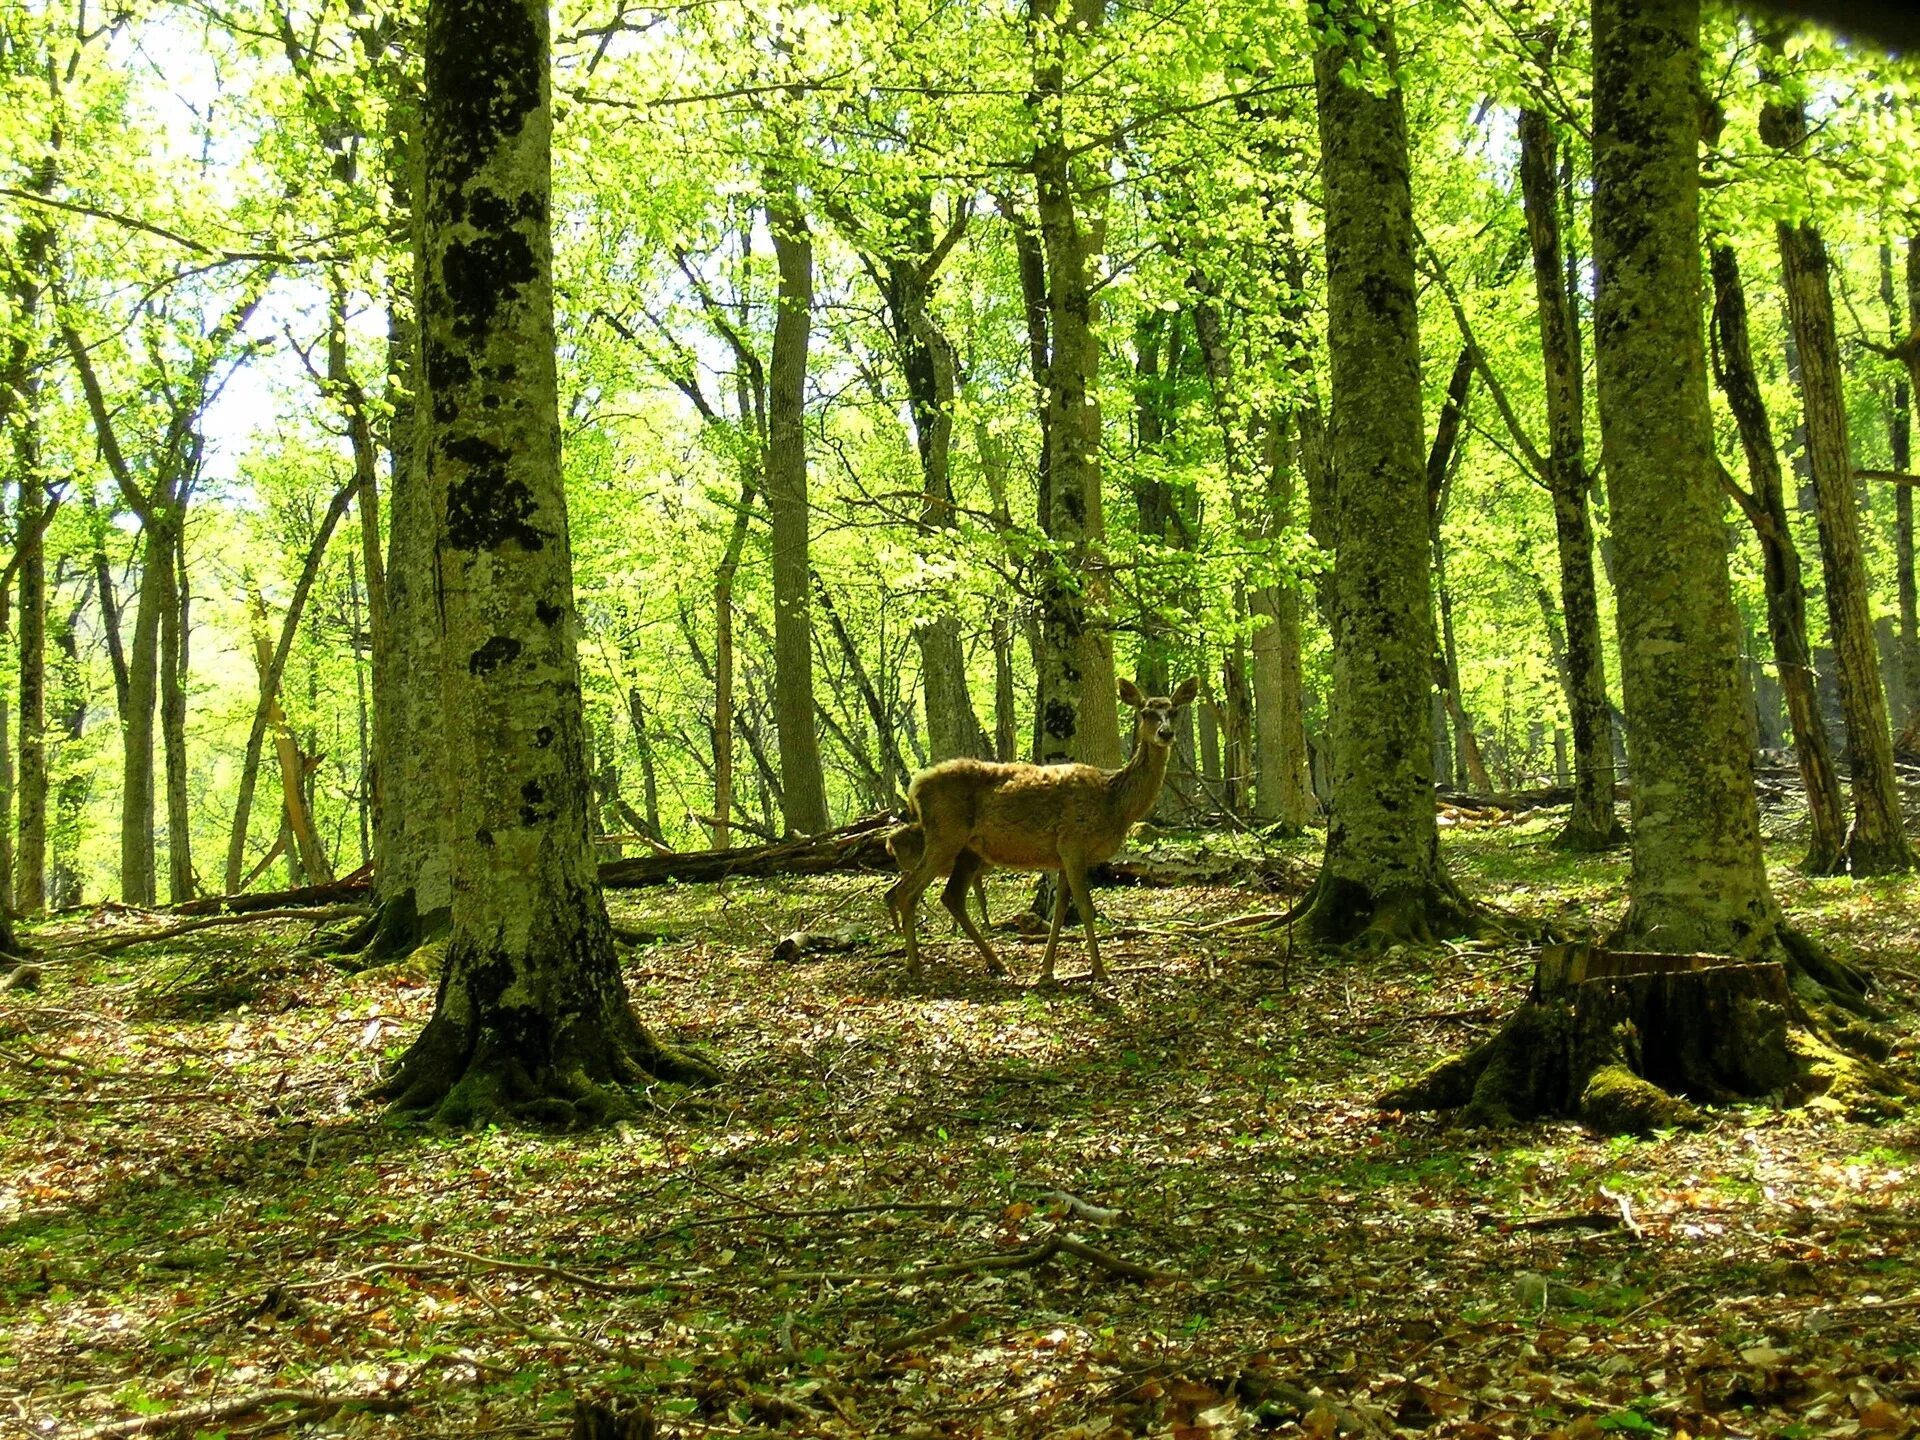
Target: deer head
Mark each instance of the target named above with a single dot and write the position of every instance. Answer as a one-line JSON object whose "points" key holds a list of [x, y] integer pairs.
{"points": [[1155, 713]]}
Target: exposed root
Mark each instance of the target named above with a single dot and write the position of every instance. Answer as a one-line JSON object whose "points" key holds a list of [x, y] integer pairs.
{"points": [[392, 932], [1590, 840], [1338, 912]]}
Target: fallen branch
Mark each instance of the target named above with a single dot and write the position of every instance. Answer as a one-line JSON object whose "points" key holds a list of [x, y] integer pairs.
{"points": [[186, 927], [311, 1403]]}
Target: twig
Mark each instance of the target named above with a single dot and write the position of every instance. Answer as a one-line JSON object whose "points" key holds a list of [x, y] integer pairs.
{"points": [[529, 1267], [907, 1340]]}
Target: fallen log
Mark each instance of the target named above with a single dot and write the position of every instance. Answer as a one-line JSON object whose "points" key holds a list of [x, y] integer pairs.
{"points": [[861, 845]]}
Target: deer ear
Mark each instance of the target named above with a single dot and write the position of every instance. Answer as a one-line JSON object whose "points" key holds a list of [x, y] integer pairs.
{"points": [[1130, 693], [1189, 688]]}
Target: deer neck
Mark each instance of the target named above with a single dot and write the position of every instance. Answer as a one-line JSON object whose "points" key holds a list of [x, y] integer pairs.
{"points": [[1136, 785]]}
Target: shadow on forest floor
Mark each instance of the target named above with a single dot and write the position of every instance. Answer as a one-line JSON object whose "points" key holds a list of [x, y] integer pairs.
{"points": [[927, 1210]]}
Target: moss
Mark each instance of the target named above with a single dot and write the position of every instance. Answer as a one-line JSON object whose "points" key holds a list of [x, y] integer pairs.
{"points": [[1618, 1102]]}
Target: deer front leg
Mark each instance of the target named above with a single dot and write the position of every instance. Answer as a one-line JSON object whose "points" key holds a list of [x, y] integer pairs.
{"points": [[1053, 934], [966, 873], [1075, 875]]}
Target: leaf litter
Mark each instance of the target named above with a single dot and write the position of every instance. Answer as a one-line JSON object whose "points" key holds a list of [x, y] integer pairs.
{"points": [[965, 1209]]}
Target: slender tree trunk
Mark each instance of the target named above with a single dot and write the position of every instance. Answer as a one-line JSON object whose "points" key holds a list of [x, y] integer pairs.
{"points": [[1283, 792], [532, 1016], [270, 677], [1876, 845], [1592, 824], [173, 722], [723, 702], [70, 795], [1382, 877], [1699, 881], [802, 780], [1903, 545], [931, 369], [649, 779], [1766, 511], [20, 413], [296, 815], [137, 848], [1472, 769], [1078, 701]]}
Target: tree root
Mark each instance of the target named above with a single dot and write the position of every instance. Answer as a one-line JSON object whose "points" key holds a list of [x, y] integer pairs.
{"points": [[392, 931], [460, 1084], [1338, 912]]}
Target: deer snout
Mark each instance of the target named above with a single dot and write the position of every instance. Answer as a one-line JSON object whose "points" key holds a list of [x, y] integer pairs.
{"points": [[1164, 734]]}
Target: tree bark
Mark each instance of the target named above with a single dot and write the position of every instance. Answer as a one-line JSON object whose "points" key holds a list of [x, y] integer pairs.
{"points": [[1903, 545], [1382, 878], [1698, 882], [174, 630], [1592, 824], [1876, 845], [20, 413], [1283, 791], [532, 1017], [1766, 510], [803, 783]]}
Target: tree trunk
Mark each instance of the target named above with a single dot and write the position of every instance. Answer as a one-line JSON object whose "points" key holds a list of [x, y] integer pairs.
{"points": [[930, 367], [137, 849], [1903, 545], [294, 764], [803, 784], [649, 779], [1699, 880], [173, 723], [1283, 791], [1766, 511], [1876, 845], [70, 796], [28, 887], [532, 1016], [1382, 878], [1079, 705], [1592, 824], [1472, 769]]}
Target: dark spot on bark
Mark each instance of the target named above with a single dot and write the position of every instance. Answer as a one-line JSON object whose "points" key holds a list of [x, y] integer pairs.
{"points": [[548, 612], [534, 796], [484, 65], [481, 274], [543, 737], [1075, 505], [487, 506], [1061, 720], [492, 655]]}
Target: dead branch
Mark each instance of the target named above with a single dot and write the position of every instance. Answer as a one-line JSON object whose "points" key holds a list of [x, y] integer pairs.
{"points": [[121, 942], [311, 1403]]}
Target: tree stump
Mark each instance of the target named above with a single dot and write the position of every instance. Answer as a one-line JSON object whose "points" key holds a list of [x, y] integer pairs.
{"points": [[1627, 1042]]}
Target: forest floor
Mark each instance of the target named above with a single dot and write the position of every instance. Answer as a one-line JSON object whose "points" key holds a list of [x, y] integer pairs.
{"points": [[961, 1208]]}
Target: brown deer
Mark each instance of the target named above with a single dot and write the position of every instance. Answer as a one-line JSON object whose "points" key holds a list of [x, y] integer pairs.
{"points": [[974, 814]]}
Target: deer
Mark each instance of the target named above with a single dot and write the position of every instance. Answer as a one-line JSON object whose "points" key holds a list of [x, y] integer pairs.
{"points": [[977, 814]]}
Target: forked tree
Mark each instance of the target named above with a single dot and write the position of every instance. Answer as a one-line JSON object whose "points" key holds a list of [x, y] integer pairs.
{"points": [[532, 1016]]}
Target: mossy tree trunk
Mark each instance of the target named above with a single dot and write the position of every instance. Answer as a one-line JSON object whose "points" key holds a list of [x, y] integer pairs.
{"points": [[1382, 877], [1765, 507], [1592, 823], [1876, 844], [532, 1016], [1699, 881]]}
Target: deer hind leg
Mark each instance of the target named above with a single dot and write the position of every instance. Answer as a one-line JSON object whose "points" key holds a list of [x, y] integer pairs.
{"points": [[967, 868], [1075, 874]]}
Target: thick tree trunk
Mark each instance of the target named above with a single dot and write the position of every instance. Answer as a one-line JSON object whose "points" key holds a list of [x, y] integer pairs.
{"points": [[532, 1017], [1876, 845], [1382, 878], [1592, 824], [1699, 881], [803, 783], [1766, 510]]}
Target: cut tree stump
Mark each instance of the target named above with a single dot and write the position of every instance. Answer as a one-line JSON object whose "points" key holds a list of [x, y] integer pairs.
{"points": [[1627, 1042]]}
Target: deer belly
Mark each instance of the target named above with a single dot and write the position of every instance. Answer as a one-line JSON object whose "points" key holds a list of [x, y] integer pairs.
{"points": [[1014, 850]]}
